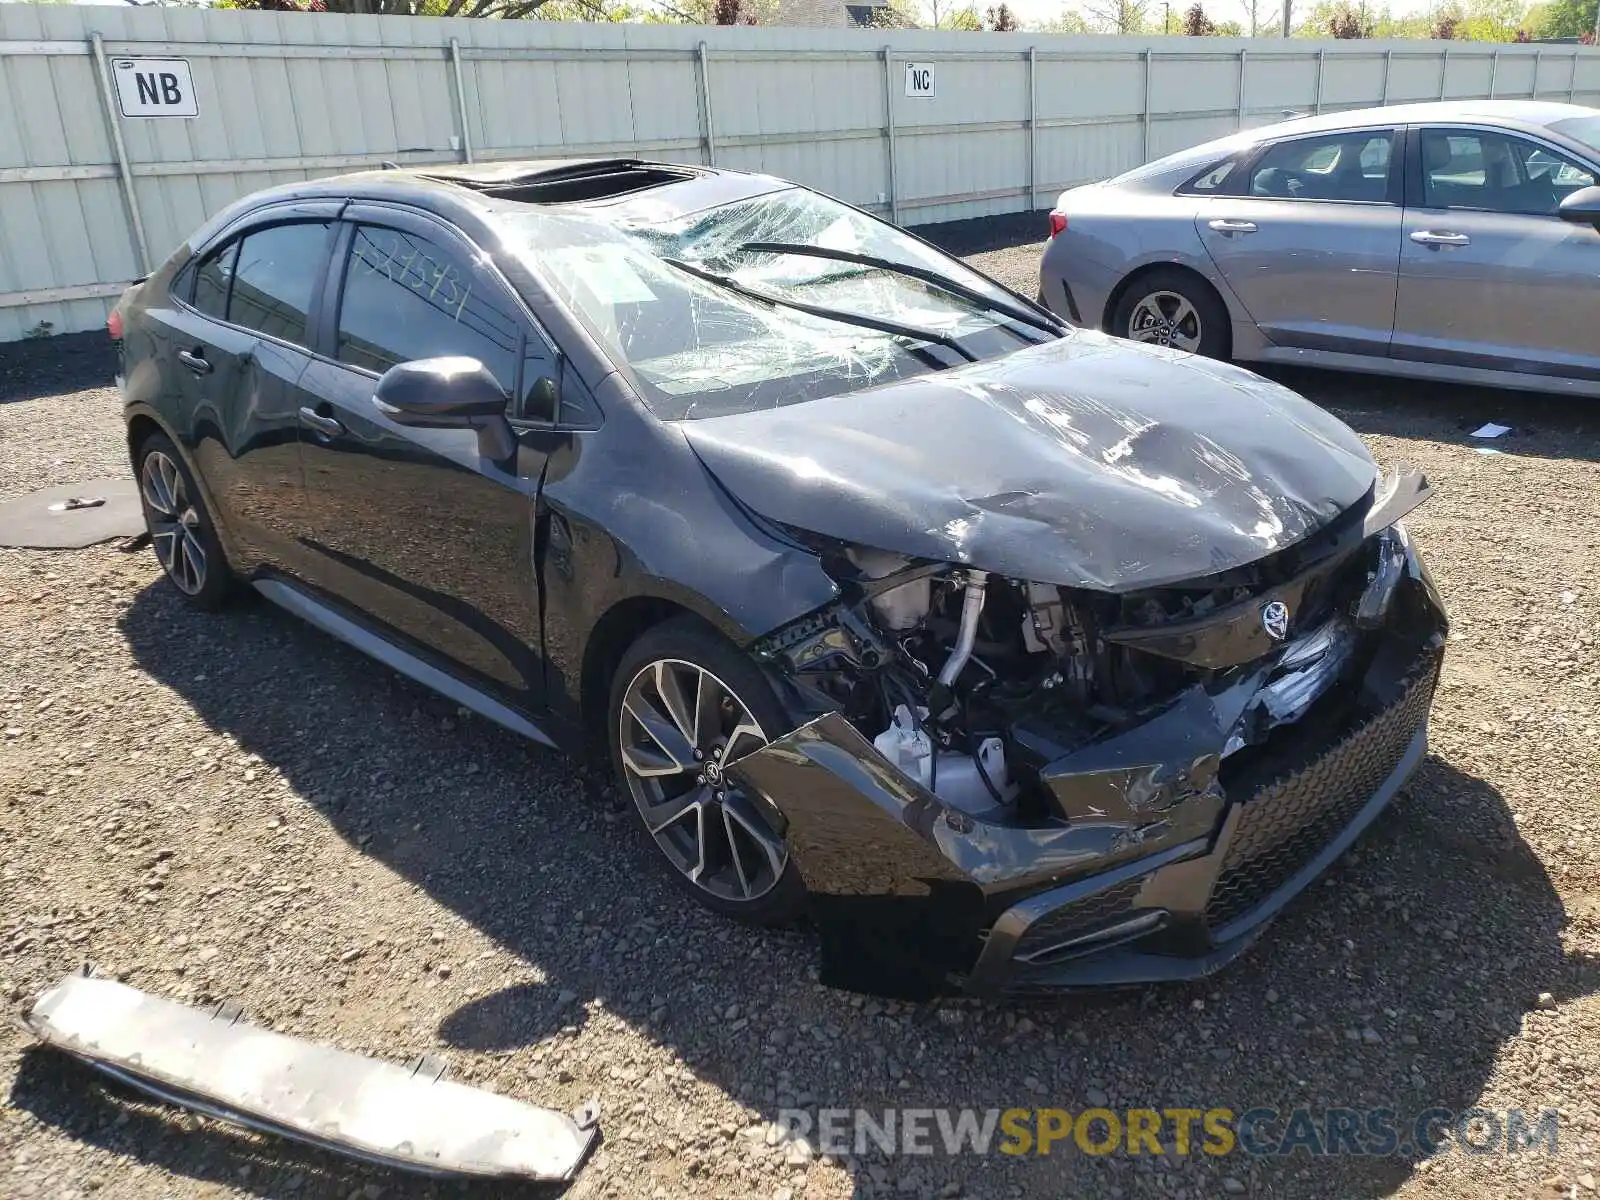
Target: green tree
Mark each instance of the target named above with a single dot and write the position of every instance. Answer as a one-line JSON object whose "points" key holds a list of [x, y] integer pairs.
{"points": [[1258, 13], [897, 14], [1348, 21], [1069, 22], [1123, 17], [1196, 23], [1566, 19], [602, 11], [506, 9], [1001, 19], [1492, 20], [939, 14]]}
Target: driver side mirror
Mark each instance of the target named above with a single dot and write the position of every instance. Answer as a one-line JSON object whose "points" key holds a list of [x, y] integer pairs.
{"points": [[448, 393], [1582, 207]]}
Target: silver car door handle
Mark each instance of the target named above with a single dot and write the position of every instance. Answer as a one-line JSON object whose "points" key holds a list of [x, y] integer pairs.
{"points": [[1427, 237], [322, 424], [1225, 225]]}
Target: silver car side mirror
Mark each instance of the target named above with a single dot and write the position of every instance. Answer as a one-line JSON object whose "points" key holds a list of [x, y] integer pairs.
{"points": [[1582, 207]]}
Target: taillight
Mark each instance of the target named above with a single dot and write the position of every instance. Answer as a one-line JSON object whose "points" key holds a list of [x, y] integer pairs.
{"points": [[1058, 222], [114, 325]]}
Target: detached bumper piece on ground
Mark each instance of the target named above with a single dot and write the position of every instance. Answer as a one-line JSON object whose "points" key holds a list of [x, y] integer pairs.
{"points": [[1155, 847], [403, 1117]]}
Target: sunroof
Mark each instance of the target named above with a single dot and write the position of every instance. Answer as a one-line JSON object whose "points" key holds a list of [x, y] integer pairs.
{"points": [[565, 182]]}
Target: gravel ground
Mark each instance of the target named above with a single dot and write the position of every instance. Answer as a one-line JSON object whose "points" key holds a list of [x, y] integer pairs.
{"points": [[238, 807]]}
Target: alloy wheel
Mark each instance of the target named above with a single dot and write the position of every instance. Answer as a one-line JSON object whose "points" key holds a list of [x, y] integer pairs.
{"points": [[679, 729], [1166, 319], [174, 522]]}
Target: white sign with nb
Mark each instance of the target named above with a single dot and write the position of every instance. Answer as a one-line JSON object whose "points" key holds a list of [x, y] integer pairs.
{"points": [[155, 87]]}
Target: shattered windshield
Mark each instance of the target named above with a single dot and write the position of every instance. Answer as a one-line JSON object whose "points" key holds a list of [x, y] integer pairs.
{"points": [[702, 348]]}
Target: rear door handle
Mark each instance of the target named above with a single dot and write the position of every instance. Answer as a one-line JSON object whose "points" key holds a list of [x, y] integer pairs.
{"points": [[195, 360], [1428, 237], [325, 425], [1225, 225]]}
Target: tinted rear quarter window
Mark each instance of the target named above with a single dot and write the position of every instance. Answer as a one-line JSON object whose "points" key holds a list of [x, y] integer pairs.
{"points": [[275, 277], [408, 297], [211, 280], [1213, 179]]}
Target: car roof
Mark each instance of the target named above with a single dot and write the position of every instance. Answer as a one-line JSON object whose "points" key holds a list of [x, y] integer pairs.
{"points": [[484, 190], [1519, 113]]}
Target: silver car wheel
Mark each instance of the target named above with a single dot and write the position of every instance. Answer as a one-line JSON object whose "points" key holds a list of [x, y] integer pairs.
{"points": [[679, 729], [1166, 319], [173, 521]]}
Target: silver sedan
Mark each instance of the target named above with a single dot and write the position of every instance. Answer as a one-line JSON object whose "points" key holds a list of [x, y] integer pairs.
{"points": [[1456, 241]]}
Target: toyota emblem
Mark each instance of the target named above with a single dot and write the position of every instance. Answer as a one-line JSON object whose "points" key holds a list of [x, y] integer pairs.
{"points": [[1275, 620]]}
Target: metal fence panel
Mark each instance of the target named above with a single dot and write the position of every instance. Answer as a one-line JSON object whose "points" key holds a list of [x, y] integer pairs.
{"points": [[1275, 82], [1515, 78], [1185, 84], [1006, 120], [1091, 87], [1082, 153], [1352, 79]]}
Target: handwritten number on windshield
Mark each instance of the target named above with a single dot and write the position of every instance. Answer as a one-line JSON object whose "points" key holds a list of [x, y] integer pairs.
{"points": [[410, 267]]}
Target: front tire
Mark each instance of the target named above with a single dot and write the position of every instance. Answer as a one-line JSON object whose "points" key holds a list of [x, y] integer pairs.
{"points": [[1168, 307], [684, 704], [181, 529]]}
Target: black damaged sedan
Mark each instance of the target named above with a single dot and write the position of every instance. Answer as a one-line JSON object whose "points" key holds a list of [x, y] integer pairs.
{"points": [[1020, 657]]}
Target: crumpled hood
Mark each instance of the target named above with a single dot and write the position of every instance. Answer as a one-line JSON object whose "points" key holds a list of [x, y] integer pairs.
{"points": [[1088, 461]]}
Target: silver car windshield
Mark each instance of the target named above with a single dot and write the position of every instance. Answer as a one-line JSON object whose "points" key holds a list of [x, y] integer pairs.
{"points": [[697, 349], [1581, 129]]}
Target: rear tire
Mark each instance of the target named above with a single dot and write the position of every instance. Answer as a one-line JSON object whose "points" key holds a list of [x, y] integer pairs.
{"points": [[181, 529], [1174, 308], [684, 703]]}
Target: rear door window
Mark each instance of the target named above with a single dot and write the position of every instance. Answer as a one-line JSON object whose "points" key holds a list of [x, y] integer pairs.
{"points": [[1349, 166], [275, 277], [408, 297]]}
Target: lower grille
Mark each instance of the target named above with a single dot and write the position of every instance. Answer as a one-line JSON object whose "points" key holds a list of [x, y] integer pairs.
{"points": [[1287, 821], [1073, 920]]}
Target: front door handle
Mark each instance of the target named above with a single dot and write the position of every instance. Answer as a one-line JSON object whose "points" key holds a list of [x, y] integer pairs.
{"points": [[1227, 225], [1428, 237], [324, 425], [195, 360]]}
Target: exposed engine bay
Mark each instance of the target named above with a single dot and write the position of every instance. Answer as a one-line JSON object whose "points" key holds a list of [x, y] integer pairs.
{"points": [[1001, 784], [971, 682]]}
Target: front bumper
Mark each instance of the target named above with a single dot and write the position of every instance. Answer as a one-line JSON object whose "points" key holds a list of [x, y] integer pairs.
{"points": [[1178, 859], [1202, 906]]}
